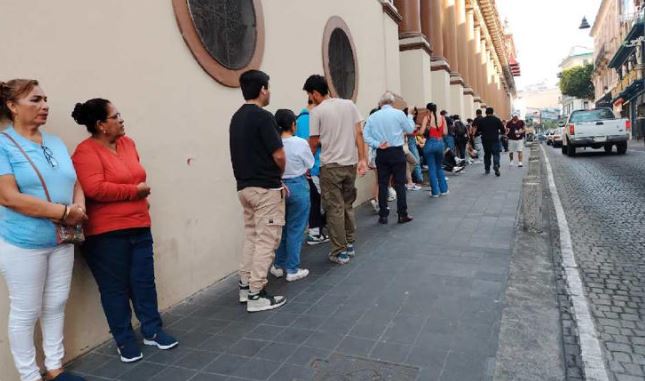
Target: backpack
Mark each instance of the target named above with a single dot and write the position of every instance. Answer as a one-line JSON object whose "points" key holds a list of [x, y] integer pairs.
{"points": [[461, 131]]}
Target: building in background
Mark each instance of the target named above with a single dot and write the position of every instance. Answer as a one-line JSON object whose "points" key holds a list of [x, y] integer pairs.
{"points": [[628, 96], [578, 56], [173, 73], [607, 39], [537, 97]]}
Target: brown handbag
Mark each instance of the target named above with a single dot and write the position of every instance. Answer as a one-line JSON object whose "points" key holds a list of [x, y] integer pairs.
{"points": [[64, 234]]}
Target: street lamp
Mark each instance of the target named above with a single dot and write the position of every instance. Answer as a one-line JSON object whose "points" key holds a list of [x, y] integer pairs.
{"points": [[584, 24]]}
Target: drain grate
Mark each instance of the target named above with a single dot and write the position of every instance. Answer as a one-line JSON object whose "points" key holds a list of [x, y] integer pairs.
{"points": [[346, 368]]}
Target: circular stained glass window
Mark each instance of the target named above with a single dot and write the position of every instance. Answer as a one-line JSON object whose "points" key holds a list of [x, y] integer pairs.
{"points": [[225, 36], [339, 56], [227, 29]]}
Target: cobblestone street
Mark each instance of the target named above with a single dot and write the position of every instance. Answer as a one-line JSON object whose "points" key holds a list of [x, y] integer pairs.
{"points": [[603, 196]]}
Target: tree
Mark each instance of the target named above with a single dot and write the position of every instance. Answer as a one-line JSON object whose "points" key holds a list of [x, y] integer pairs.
{"points": [[576, 82]]}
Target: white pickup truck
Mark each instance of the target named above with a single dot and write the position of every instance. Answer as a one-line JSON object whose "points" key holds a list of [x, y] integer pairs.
{"points": [[597, 128]]}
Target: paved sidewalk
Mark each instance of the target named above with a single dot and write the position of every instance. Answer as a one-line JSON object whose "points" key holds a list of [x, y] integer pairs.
{"points": [[420, 301]]}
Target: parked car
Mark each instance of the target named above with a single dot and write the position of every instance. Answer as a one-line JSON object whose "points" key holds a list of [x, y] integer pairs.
{"points": [[597, 128], [556, 140]]}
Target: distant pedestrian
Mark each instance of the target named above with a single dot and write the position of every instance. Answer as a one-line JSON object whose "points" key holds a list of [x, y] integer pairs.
{"points": [[299, 161], [504, 137], [258, 160], [385, 130], [491, 128], [516, 132], [435, 128], [336, 126], [461, 137], [476, 134], [316, 233]]}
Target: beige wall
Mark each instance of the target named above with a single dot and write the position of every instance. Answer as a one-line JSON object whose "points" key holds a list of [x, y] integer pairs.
{"points": [[132, 53]]}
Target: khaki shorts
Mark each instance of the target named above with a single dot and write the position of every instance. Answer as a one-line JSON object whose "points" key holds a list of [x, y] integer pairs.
{"points": [[515, 145]]}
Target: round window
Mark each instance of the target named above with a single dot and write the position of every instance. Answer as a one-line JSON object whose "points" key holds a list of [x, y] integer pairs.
{"points": [[225, 36], [339, 56]]}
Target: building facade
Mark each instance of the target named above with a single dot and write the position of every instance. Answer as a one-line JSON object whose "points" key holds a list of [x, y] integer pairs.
{"points": [[628, 96], [607, 38], [174, 79]]}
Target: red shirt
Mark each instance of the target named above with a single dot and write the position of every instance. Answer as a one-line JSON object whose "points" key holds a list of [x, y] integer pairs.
{"points": [[109, 181], [437, 132]]}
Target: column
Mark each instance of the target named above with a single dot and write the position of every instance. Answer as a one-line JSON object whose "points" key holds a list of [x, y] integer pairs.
{"points": [[414, 57], [410, 10], [450, 34], [432, 24], [462, 40]]}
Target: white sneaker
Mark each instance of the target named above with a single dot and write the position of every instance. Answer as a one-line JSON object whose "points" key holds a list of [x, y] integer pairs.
{"points": [[374, 204], [510, 164], [301, 273], [520, 164], [264, 302], [391, 194], [457, 169], [445, 193], [276, 271]]}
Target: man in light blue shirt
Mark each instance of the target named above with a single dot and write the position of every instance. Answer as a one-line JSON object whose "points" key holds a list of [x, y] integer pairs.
{"points": [[384, 131]]}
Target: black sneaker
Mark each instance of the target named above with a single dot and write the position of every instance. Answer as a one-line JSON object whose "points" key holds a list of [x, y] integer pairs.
{"points": [[130, 352], [264, 302], [497, 171], [405, 219], [382, 220]]}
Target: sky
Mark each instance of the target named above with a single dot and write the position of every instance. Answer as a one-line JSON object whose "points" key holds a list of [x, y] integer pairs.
{"points": [[544, 31]]}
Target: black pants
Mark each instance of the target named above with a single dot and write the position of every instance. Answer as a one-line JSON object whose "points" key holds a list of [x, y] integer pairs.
{"points": [[390, 162], [461, 147], [491, 148], [316, 218]]}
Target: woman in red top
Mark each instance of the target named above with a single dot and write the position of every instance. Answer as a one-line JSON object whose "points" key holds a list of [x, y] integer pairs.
{"points": [[118, 248], [434, 129]]}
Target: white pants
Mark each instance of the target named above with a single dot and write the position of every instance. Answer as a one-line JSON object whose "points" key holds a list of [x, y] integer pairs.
{"points": [[516, 145], [38, 281]]}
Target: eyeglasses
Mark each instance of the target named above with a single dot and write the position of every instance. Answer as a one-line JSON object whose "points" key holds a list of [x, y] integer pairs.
{"points": [[115, 116], [49, 156]]}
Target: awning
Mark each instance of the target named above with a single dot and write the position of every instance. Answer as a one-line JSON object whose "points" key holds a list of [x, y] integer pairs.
{"points": [[623, 51]]}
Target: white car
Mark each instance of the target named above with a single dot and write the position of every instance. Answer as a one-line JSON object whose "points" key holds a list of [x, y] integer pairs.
{"points": [[597, 128]]}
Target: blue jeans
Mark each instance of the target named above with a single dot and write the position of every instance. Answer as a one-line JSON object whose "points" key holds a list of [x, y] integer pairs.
{"points": [[433, 152], [293, 234], [450, 142], [417, 175], [122, 264]]}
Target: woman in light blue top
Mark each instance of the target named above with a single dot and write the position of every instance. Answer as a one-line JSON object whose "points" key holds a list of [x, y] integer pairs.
{"points": [[36, 268], [299, 161]]}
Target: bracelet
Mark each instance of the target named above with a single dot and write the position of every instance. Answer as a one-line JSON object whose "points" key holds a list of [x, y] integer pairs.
{"points": [[65, 213]]}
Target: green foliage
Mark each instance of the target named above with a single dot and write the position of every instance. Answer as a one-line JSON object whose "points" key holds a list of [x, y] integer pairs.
{"points": [[576, 82]]}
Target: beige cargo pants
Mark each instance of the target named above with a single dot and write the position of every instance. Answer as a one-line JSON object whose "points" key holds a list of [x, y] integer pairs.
{"points": [[263, 222]]}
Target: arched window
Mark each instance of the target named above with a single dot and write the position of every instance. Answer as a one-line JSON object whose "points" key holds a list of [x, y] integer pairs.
{"points": [[339, 59], [225, 36]]}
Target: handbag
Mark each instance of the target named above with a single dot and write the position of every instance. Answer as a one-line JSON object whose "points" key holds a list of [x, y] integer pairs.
{"points": [[64, 234]]}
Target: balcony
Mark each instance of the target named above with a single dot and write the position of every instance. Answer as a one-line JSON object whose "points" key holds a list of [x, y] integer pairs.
{"points": [[633, 25]]}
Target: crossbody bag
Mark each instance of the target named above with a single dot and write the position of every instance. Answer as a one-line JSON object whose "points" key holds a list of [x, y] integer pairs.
{"points": [[64, 234]]}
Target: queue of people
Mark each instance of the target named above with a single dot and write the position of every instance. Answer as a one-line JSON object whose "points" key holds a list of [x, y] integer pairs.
{"points": [[295, 178]]}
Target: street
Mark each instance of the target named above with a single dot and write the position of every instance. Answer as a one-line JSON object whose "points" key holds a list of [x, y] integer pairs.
{"points": [[603, 197]]}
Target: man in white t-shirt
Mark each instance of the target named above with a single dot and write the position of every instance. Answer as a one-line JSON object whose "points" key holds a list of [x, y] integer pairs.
{"points": [[336, 125]]}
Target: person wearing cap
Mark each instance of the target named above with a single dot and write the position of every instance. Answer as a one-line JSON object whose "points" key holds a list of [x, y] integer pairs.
{"points": [[515, 132], [384, 131]]}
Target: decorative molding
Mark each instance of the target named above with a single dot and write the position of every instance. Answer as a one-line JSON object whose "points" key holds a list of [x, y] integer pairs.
{"points": [[439, 63], [477, 98], [456, 79], [223, 75], [469, 91], [391, 11], [414, 43]]}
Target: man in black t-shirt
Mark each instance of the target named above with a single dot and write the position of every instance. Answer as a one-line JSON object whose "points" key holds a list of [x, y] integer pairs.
{"points": [[258, 163], [490, 128]]}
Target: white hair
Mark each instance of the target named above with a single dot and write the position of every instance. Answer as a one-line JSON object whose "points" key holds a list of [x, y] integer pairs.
{"points": [[386, 99]]}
